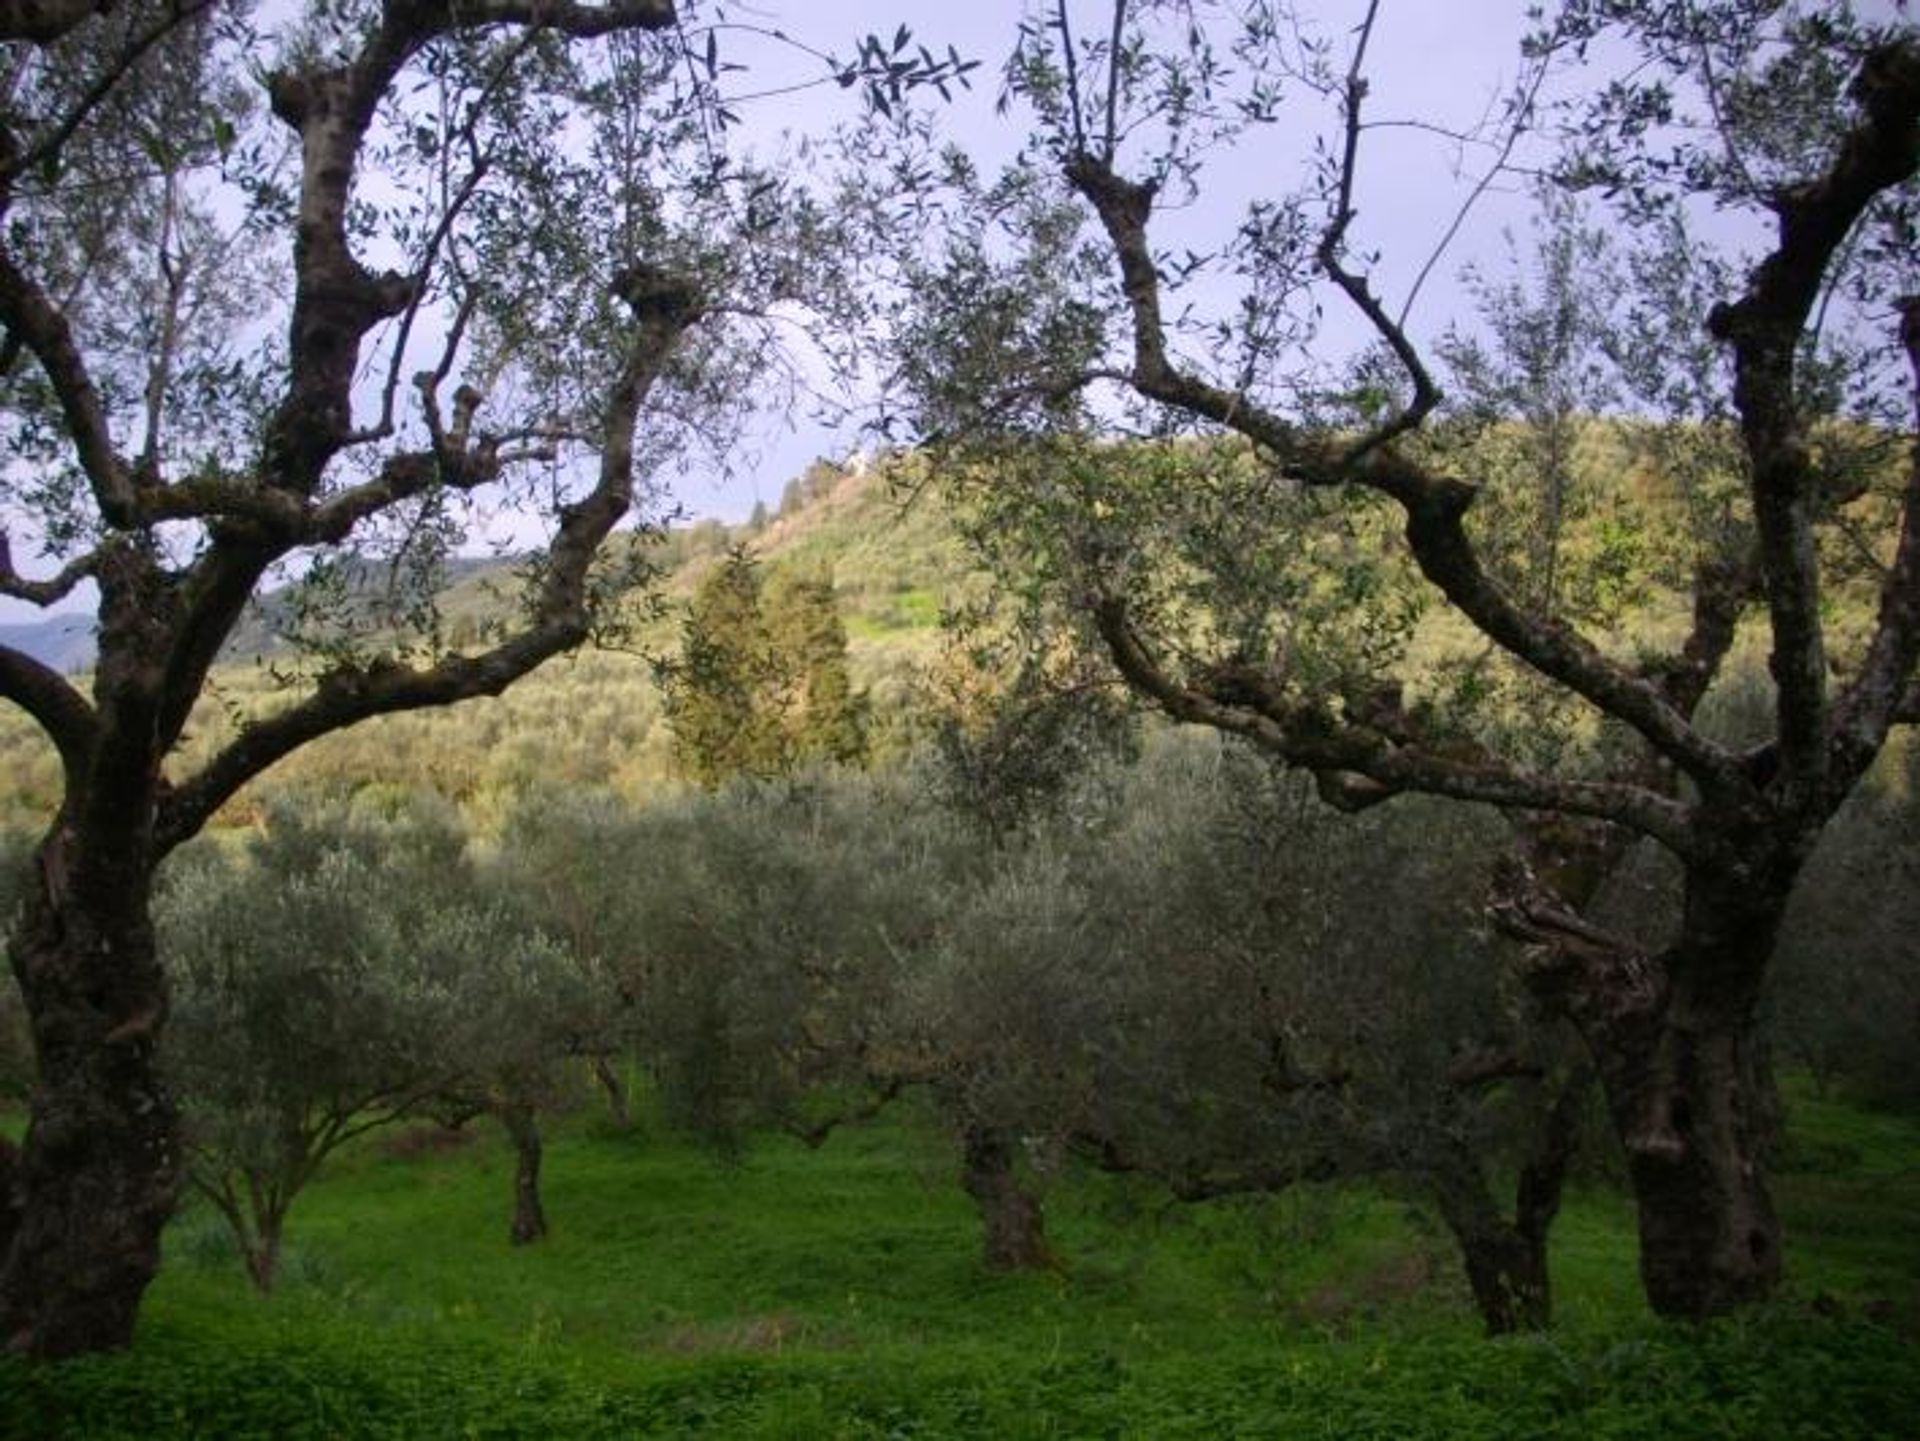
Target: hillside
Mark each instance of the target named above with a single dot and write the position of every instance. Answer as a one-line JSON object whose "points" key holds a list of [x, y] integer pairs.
{"points": [[594, 717], [896, 559]]}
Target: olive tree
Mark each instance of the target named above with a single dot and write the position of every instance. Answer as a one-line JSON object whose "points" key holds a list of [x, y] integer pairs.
{"points": [[1258, 556], [1189, 975], [273, 298], [345, 973]]}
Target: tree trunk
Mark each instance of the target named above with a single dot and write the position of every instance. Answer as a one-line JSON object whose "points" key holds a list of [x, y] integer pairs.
{"points": [[1505, 1261], [608, 1075], [1693, 1108], [261, 1252], [529, 1220], [101, 1166], [1675, 1041], [1507, 1271], [10, 1199], [1015, 1225]]}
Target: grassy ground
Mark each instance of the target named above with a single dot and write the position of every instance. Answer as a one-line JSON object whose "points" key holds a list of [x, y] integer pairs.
{"points": [[838, 1293]]}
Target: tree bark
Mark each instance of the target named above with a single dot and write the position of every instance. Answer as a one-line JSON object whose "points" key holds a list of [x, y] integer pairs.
{"points": [[608, 1075], [101, 1167], [1015, 1224], [1675, 1039], [529, 1219], [1506, 1260], [1693, 1108], [261, 1252], [1507, 1272]]}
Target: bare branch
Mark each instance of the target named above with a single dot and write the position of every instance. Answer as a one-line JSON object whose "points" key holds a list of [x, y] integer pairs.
{"points": [[1522, 114], [41, 592], [1246, 703], [1065, 26], [1110, 141], [1426, 395]]}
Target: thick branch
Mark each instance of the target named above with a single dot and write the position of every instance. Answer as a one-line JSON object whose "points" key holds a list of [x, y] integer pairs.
{"points": [[664, 306], [1764, 328], [1435, 506], [59, 710], [1885, 684], [337, 301], [41, 592], [1307, 736]]}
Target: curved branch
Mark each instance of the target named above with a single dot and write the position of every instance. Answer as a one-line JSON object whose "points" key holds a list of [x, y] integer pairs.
{"points": [[1435, 506], [665, 306], [1246, 704], [41, 592], [56, 707]]}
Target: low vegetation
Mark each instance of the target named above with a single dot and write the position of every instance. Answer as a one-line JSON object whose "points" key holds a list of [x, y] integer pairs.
{"points": [[837, 1292]]}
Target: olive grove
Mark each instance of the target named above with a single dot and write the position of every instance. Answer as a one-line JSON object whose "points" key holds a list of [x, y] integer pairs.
{"points": [[1326, 555], [315, 299]]}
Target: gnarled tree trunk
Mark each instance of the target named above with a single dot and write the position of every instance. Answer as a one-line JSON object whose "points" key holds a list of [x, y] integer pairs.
{"points": [[1015, 1225], [1675, 1039], [101, 1167], [1692, 1104], [1506, 1260]]}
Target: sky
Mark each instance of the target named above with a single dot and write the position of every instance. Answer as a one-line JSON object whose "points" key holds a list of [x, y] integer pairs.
{"points": [[1446, 63]]}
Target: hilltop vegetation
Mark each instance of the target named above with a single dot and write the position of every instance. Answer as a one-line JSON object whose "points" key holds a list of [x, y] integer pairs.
{"points": [[594, 718], [899, 554]]}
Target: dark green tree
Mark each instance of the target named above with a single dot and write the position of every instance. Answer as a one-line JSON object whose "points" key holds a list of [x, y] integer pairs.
{"points": [[809, 641], [724, 694], [761, 684]]}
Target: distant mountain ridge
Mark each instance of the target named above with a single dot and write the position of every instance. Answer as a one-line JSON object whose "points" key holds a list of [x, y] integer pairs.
{"points": [[63, 642]]}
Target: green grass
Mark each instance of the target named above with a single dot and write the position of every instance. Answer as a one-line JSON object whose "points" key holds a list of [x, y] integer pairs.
{"points": [[838, 1293]]}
